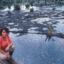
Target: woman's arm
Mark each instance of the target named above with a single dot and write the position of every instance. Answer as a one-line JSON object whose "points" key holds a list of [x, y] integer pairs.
{"points": [[10, 41]]}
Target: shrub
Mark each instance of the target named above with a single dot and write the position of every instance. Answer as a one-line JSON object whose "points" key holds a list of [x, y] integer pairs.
{"points": [[27, 5], [31, 10], [17, 7], [41, 5], [50, 30], [53, 8], [1, 7], [31, 3]]}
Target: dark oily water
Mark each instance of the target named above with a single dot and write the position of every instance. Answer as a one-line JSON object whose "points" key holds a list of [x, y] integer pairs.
{"points": [[38, 49], [31, 45]]}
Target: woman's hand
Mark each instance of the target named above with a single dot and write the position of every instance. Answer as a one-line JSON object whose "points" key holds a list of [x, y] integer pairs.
{"points": [[7, 49], [8, 56]]}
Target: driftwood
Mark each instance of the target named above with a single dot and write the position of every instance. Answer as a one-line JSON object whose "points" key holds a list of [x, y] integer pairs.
{"points": [[60, 35], [8, 61]]}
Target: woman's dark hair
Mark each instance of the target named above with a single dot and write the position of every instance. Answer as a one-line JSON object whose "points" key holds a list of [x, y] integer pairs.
{"points": [[6, 29]]}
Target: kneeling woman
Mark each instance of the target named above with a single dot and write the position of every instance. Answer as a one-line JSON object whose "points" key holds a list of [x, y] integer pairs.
{"points": [[6, 44]]}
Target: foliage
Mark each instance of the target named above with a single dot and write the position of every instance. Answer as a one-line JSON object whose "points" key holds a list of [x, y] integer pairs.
{"points": [[31, 10], [17, 7], [41, 5], [27, 5], [1, 7], [50, 30], [31, 3], [53, 8]]}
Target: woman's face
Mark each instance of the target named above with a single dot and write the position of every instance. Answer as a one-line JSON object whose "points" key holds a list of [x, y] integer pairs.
{"points": [[4, 33]]}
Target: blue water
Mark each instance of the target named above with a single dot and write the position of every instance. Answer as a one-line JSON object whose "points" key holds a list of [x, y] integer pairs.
{"points": [[35, 49]]}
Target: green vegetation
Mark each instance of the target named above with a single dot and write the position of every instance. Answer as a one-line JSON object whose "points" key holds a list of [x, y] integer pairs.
{"points": [[31, 3], [31, 10], [17, 7], [50, 30], [53, 8], [1, 7], [41, 5], [27, 5]]}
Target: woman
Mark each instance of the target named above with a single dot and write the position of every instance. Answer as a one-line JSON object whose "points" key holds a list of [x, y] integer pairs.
{"points": [[6, 44]]}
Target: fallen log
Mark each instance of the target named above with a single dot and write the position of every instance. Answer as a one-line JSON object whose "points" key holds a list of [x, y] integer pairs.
{"points": [[46, 33], [8, 61]]}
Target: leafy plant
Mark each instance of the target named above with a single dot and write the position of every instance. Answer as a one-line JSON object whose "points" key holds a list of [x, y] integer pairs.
{"points": [[17, 7], [53, 8], [31, 3], [31, 10], [1, 7], [41, 5], [50, 30], [27, 5]]}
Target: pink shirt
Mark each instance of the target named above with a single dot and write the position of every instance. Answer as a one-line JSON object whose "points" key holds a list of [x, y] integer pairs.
{"points": [[4, 43]]}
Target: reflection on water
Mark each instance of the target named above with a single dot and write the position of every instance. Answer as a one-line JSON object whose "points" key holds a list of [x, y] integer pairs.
{"points": [[33, 49], [7, 9], [40, 20], [22, 7], [59, 27], [58, 8], [36, 8]]}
